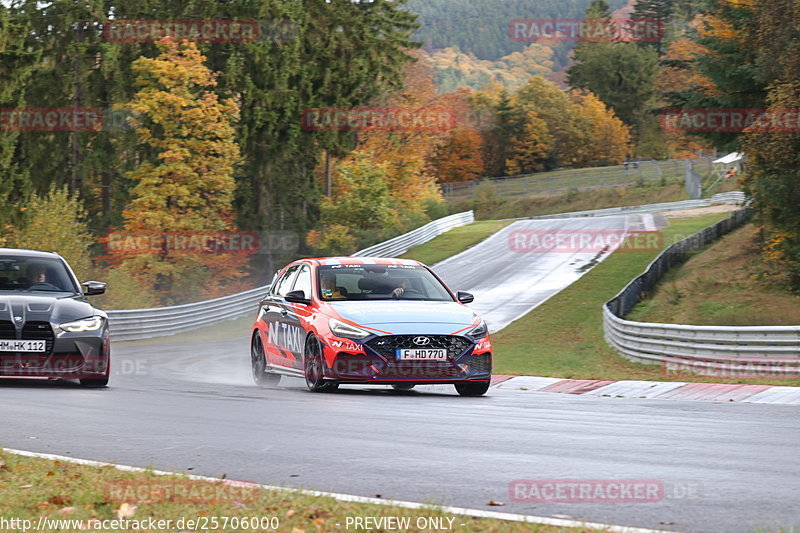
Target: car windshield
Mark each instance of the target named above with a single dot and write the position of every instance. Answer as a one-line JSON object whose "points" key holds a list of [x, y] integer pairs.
{"points": [[34, 274], [379, 282]]}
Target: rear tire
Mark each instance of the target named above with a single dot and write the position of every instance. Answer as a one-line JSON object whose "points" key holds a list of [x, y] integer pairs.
{"points": [[472, 389], [403, 386], [258, 361], [313, 368]]}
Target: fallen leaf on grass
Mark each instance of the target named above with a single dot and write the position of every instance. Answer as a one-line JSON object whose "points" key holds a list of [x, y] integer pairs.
{"points": [[60, 500], [126, 511], [66, 511]]}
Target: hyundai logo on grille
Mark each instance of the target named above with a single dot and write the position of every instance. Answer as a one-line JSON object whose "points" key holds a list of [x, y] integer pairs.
{"points": [[18, 318], [422, 341]]}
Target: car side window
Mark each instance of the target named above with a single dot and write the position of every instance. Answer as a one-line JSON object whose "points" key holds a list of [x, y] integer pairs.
{"points": [[285, 283], [303, 282]]}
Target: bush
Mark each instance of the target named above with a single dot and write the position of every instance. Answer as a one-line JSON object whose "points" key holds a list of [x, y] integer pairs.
{"points": [[55, 222], [486, 199]]}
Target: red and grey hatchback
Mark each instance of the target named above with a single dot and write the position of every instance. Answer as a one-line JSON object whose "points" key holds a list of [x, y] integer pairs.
{"points": [[369, 321]]}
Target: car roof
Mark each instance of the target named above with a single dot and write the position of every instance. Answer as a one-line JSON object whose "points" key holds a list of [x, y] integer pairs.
{"points": [[28, 253], [327, 261]]}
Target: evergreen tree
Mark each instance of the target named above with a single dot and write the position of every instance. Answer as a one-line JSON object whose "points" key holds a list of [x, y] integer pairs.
{"points": [[655, 12]]}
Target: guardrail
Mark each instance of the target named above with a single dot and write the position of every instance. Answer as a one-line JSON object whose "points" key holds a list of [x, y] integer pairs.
{"points": [[709, 350], [137, 324], [400, 245]]}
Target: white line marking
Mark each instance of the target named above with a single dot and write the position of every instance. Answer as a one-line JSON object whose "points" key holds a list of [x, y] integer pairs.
{"points": [[475, 513]]}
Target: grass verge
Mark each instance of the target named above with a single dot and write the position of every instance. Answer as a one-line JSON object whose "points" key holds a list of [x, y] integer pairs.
{"points": [[493, 207], [563, 337], [728, 284], [230, 329], [34, 488], [454, 241]]}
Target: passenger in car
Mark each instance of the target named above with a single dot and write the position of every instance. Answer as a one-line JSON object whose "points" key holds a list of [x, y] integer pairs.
{"points": [[329, 289]]}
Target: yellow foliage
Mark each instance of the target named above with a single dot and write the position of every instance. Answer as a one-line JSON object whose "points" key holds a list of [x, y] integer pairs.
{"points": [[190, 184], [55, 222]]}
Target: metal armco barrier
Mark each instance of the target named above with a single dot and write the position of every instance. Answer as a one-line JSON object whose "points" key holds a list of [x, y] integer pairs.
{"points": [[725, 351], [400, 245], [137, 324]]}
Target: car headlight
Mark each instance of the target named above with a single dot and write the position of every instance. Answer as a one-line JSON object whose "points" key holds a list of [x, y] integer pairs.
{"points": [[340, 329], [479, 331], [85, 324]]}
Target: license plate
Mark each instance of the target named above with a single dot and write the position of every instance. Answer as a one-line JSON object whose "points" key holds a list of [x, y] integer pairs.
{"points": [[422, 354], [22, 346]]}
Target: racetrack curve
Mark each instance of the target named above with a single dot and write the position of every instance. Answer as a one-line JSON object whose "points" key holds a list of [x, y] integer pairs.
{"points": [[508, 281], [193, 407]]}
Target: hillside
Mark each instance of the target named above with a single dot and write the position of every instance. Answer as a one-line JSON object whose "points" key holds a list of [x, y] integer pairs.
{"points": [[480, 27]]}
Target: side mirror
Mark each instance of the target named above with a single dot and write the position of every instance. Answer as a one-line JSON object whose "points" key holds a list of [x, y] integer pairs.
{"points": [[297, 297], [465, 297], [91, 288]]}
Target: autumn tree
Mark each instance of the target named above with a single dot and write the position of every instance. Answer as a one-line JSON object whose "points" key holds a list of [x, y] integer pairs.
{"points": [[56, 222], [360, 210], [773, 177], [460, 157], [605, 137], [188, 183], [407, 151]]}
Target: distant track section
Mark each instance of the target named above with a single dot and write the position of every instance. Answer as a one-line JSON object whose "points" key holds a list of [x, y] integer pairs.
{"points": [[509, 282]]}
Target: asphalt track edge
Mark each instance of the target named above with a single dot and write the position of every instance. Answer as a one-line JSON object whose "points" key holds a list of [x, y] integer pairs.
{"points": [[473, 513]]}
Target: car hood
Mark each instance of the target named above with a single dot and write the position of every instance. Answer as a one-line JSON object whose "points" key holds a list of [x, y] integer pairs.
{"points": [[44, 308], [407, 317]]}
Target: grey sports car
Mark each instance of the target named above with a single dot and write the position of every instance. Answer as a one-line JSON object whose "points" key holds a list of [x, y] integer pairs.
{"points": [[48, 329]]}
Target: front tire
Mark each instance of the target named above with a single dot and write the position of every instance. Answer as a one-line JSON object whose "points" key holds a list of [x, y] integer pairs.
{"points": [[97, 383], [258, 361], [313, 367], [472, 389], [94, 383]]}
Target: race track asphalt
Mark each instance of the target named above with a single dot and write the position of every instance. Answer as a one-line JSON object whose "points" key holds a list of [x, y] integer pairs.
{"points": [[192, 408], [509, 275]]}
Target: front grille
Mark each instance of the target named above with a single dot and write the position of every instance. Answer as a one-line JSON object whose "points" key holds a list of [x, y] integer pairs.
{"points": [[7, 330], [480, 363], [35, 331], [387, 346]]}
